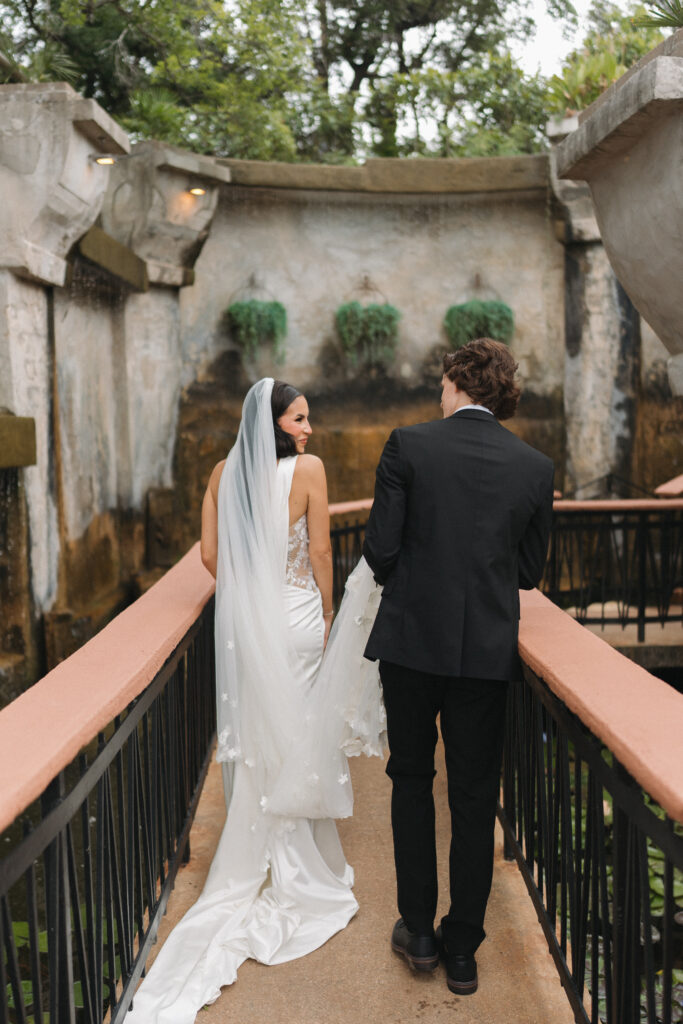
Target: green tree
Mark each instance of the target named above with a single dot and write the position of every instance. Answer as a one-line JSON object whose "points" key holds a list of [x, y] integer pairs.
{"points": [[292, 79], [615, 41], [198, 73]]}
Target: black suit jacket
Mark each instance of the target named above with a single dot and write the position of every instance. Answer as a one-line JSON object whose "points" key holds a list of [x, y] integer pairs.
{"points": [[461, 520]]}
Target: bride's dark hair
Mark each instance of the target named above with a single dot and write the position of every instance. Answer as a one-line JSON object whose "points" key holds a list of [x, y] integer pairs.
{"points": [[281, 398]]}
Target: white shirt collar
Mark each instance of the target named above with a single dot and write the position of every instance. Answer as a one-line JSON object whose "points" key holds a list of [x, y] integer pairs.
{"points": [[480, 408]]}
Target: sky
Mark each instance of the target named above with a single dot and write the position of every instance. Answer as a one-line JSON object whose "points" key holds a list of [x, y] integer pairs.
{"points": [[546, 51]]}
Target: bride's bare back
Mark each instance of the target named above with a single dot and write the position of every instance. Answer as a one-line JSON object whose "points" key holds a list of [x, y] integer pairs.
{"points": [[308, 497]]}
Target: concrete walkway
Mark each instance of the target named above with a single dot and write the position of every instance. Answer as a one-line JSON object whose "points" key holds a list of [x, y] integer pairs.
{"points": [[355, 978]]}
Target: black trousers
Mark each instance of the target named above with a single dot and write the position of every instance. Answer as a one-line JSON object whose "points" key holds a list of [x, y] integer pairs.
{"points": [[472, 722]]}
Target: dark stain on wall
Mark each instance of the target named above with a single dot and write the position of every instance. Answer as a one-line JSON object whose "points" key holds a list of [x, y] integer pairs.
{"points": [[574, 277]]}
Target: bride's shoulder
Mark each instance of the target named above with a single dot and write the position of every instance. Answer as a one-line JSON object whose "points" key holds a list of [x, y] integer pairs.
{"points": [[309, 474], [310, 465]]}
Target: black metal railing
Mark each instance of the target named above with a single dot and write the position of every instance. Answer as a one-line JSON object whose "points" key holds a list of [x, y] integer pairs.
{"points": [[347, 545], [602, 863], [603, 567], [83, 891], [617, 567]]}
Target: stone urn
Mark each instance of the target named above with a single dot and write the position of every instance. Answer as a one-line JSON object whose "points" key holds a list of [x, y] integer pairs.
{"points": [[629, 148]]}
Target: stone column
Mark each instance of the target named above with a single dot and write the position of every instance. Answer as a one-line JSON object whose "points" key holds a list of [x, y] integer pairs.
{"points": [[51, 194], [602, 337], [150, 207], [628, 146]]}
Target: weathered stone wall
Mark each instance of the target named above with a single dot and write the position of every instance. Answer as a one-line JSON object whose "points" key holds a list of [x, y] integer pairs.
{"points": [[26, 390], [314, 248], [90, 353]]}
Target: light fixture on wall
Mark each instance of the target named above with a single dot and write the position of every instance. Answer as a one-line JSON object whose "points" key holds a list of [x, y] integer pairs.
{"points": [[109, 159], [197, 190]]}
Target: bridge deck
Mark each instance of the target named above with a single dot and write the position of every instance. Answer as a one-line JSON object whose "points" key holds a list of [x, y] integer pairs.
{"points": [[355, 977]]}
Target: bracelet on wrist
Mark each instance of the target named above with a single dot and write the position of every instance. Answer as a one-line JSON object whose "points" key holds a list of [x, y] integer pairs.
{"points": [[326, 615]]}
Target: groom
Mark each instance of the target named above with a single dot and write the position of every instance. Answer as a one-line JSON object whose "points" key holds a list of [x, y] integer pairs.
{"points": [[460, 522]]}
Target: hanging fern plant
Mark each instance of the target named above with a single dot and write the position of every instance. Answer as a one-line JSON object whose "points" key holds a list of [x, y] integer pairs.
{"points": [[369, 334], [254, 323], [479, 319]]}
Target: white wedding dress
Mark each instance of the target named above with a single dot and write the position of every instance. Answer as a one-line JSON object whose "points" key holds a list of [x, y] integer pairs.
{"points": [[279, 885]]}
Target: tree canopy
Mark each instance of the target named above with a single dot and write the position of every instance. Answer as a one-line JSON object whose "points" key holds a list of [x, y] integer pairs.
{"points": [[315, 80], [616, 39]]}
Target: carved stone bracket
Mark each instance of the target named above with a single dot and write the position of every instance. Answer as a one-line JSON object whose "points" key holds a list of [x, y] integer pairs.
{"points": [[47, 135], [150, 208], [629, 148]]}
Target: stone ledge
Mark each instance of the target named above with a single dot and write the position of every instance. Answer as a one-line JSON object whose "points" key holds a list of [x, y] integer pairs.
{"points": [[672, 46], [17, 441], [86, 114], [191, 163], [120, 261], [486, 174], [651, 94]]}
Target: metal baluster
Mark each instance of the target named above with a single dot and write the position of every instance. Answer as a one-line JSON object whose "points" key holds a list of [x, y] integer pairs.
{"points": [[578, 928], [646, 926], [7, 941], [667, 938], [99, 890], [4, 1004], [566, 851], [605, 926], [84, 972], [542, 838], [626, 920], [642, 573], [125, 938], [62, 1007], [109, 854], [34, 938]]}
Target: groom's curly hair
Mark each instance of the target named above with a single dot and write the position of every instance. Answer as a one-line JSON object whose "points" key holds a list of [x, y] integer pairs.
{"points": [[485, 370]]}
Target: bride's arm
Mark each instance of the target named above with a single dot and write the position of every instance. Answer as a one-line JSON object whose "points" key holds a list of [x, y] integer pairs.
{"points": [[209, 540], [319, 546]]}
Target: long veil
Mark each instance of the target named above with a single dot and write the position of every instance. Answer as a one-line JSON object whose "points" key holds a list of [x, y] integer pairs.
{"points": [[258, 699], [295, 740]]}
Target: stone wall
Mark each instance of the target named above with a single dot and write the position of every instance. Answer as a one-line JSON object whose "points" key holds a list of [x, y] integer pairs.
{"points": [[90, 354], [313, 246]]}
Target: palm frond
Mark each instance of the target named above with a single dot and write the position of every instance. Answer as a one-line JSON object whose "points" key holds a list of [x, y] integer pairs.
{"points": [[661, 14], [10, 71], [52, 64]]}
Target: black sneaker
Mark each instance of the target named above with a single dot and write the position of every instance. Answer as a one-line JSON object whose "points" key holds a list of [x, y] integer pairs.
{"points": [[420, 951], [461, 969]]}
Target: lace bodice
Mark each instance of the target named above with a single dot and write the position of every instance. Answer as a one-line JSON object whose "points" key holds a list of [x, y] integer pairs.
{"points": [[299, 570]]}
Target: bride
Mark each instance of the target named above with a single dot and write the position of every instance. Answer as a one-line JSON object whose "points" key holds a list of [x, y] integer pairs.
{"points": [[279, 885]]}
